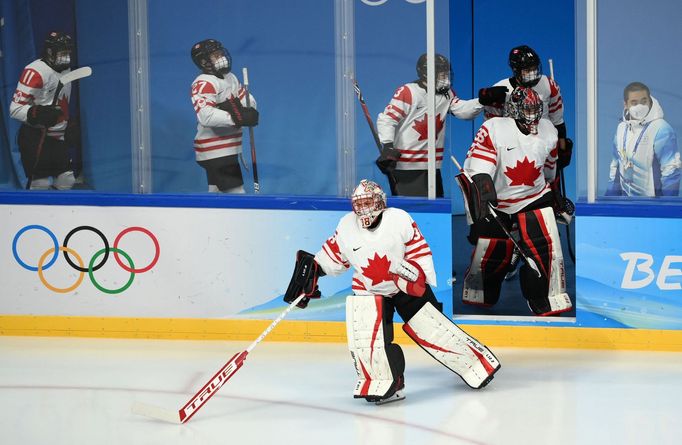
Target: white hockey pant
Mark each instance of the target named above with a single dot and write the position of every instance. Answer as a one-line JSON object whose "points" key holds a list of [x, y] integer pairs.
{"points": [[546, 295], [451, 346], [379, 363]]}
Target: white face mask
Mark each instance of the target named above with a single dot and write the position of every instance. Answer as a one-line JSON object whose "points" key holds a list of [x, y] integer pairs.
{"points": [[638, 112]]}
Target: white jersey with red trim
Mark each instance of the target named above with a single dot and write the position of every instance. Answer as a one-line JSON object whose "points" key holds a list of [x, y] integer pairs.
{"points": [[521, 165], [549, 92], [217, 136], [371, 252], [37, 86], [404, 123]]}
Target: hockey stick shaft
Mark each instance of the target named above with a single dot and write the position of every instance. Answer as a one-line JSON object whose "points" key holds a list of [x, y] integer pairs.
{"points": [[365, 110], [562, 182], [252, 141], [214, 384], [506, 231]]}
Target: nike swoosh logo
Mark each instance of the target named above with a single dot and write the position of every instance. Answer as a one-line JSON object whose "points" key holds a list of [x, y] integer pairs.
{"points": [[355, 249], [510, 149]]}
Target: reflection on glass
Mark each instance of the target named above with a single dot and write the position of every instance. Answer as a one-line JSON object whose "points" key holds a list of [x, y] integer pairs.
{"points": [[645, 158]]}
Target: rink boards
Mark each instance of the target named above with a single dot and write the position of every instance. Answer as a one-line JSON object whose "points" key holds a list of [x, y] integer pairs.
{"points": [[186, 268]]}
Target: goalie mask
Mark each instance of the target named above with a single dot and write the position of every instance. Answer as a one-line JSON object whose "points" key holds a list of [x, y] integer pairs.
{"points": [[526, 108], [526, 66], [211, 57], [443, 72], [57, 51], [368, 201]]}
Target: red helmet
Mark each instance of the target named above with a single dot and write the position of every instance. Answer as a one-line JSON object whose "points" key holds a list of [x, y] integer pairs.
{"points": [[526, 107]]}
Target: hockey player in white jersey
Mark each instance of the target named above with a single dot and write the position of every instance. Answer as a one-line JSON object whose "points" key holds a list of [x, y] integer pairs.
{"points": [[392, 271], [219, 102], [645, 158], [402, 129], [526, 69], [44, 154], [513, 164]]}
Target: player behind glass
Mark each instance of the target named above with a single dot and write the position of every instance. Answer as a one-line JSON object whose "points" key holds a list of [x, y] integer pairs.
{"points": [[44, 154], [526, 69], [512, 162], [392, 272], [219, 101], [403, 133]]}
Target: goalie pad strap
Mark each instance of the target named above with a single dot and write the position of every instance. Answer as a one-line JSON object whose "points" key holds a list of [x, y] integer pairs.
{"points": [[489, 263], [378, 363], [451, 346], [546, 295]]}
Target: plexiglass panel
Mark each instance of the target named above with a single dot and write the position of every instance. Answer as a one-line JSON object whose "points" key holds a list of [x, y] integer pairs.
{"points": [[639, 105]]}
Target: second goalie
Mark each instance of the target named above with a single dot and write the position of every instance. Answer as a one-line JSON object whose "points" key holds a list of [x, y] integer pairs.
{"points": [[393, 270]]}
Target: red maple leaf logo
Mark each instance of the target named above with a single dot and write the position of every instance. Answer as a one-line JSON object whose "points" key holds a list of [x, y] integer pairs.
{"points": [[525, 172], [421, 126], [377, 269]]}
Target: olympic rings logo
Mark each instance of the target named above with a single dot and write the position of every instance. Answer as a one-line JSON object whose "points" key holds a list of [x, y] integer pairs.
{"points": [[80, 267]]}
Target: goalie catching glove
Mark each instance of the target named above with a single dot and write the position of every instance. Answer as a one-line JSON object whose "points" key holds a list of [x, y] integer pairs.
{"points": [[241, 116], [409, 277], [304, 279], [478, 194]]}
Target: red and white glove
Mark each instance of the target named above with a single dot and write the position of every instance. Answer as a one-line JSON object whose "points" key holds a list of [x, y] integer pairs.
{"points": [[409, 277]]}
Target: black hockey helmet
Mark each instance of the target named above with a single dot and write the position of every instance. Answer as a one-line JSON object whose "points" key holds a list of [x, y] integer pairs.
{"points": [[526, 107], [443, 72], [526, 65], [211, 57], [57, 50]]}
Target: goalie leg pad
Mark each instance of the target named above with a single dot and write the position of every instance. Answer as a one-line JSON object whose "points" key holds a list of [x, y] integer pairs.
{"points": [[546, 295], [379, 363], [489, 264], [452, 347]]}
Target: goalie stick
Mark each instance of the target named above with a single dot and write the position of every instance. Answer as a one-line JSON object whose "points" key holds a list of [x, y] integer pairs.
{"points": [[562, 182], [256, 184], [528, 259], [391, 178], [78, 73], [213, 385]]}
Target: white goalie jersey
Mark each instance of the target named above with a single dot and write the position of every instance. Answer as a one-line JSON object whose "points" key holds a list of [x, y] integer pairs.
{"points": [[372, 252], [404, 123], [217, 136], [520, 165]]}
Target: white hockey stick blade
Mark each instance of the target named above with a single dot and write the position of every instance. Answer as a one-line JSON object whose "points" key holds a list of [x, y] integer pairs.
{"points": [[78, 73], [155, 412]]}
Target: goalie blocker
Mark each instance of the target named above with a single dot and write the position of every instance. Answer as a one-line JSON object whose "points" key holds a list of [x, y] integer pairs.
{"points": [[304, 279]]}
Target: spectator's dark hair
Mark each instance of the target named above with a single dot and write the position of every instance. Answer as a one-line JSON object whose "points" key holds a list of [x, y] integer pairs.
{"points": [[635, 86]]}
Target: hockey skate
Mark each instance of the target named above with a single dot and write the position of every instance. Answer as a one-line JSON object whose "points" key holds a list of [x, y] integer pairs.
{"points": [[398, 395]]}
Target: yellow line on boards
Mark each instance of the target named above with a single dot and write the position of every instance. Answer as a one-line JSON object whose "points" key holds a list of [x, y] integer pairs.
{"points": [[331, 332]]}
